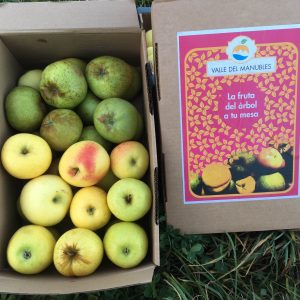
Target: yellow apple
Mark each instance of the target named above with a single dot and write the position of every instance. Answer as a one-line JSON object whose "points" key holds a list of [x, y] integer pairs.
{"points": [[45, 200], [89, 208], [129, 160], [78, 252], [26, 155], [30, 249], [84, 164]]}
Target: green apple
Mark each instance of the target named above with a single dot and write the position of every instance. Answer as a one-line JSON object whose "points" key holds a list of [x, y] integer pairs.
{"points": [[108, 77], [149, 38], [31, 78], [30, 249], [63, 85], [107, 181], [89, 133], [61, 128], [129, 199], [26, 155], [271, 182], [24, 109], [81, 64], [125, 244], [89, 208], [86, 108], [116, 120], [129, 160], [135, 86], [45, 200], [78, 252]]}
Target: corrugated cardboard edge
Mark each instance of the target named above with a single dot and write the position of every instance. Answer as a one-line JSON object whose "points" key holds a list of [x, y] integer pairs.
{"points": [[96, 15], [168, 18], [153, 153], [11, 282]]}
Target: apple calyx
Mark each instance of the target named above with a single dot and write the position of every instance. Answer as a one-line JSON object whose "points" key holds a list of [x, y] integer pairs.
{"points": [[55, 199], [74, 171], [72, 253], [126, 251], [101, 71], [128, 199], [24, 151], [27, 254], [90, 210], [132, 161]]}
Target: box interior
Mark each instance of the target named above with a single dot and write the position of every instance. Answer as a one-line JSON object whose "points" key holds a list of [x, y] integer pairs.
{"points": [[21, 51]]}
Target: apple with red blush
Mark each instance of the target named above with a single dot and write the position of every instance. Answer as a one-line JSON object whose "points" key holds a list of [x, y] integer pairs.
{"points": [[84, 164]]}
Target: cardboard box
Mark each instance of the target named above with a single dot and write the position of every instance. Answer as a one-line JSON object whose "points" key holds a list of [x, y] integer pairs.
{"points": [[199, 85], [31, 36]]}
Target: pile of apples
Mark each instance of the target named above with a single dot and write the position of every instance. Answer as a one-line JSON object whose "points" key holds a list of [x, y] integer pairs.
{"points": [[79, 153]]}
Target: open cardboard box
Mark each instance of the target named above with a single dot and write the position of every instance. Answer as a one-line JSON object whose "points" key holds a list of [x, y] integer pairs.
{"points": [[36, 33], [31, 36]]}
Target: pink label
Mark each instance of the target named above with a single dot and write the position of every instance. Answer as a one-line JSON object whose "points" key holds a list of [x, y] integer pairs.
{"points": [[239, 116]]}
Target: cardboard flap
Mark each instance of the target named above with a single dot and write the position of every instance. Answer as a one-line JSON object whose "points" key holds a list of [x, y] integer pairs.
{"points": [[169, 18], [98, 15]]}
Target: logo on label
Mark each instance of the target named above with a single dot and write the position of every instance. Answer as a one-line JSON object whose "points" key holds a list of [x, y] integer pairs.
{"points": [[241, 49]]}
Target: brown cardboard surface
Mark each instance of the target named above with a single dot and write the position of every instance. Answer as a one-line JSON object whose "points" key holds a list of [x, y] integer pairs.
{"points": [[101, 15], [49, 283], [168, 18], [41, 42]]}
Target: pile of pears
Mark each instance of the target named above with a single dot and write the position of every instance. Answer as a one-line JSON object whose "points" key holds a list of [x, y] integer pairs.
{"points": [[59, 102]]}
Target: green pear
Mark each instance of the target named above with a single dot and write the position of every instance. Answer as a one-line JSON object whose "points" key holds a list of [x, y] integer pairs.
{"points": [[77, 62], [61, 128], [24, 109], [271, 183], [86, 108], [31, 78], [109, 77], [116, 120], [63, 85], [135, 85], [90, 133]]}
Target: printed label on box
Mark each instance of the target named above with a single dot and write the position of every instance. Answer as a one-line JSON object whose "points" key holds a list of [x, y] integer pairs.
{"points": [[239, 113]]}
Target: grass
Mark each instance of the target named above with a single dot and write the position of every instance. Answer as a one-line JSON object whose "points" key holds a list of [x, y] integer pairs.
{"points": [[257, 266]]}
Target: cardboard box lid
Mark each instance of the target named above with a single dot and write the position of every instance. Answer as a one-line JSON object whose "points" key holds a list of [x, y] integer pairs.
{"points": [[98, 15], [169, 18]]}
